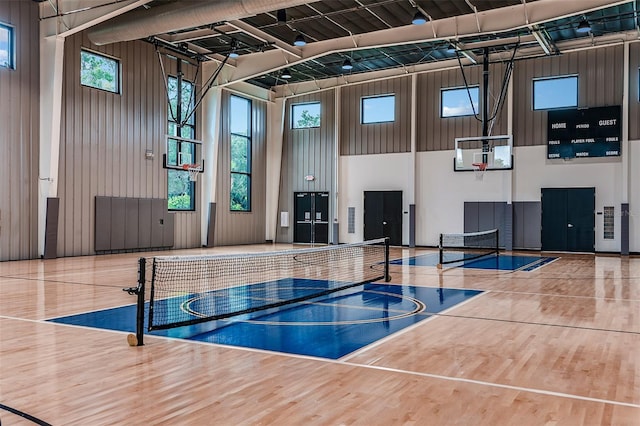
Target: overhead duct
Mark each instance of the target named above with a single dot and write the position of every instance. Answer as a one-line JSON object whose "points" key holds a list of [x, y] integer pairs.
{"points": [[178, 15]]}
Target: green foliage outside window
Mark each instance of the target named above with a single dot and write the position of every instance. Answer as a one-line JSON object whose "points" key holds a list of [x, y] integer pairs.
{"points": [[99, 72], [240, 125], [308, 120]]}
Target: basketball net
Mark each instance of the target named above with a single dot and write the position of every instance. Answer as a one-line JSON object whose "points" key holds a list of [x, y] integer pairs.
{"points": [[193, 170], [479, 169]]}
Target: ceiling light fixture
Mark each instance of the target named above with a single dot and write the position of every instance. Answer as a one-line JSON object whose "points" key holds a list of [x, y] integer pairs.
{"points": [[419, 19], [347, 65], [234, 49], [286, 74], [583, 27], [451, 48], [299, 41]]}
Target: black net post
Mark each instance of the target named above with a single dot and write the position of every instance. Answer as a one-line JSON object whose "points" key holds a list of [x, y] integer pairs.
{"points": [[387, 276], [440, 253], [497, 241], [142, 267]]}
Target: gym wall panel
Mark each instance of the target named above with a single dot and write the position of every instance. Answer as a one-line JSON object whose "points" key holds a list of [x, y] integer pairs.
{"points": [[232, 227], [376, 138], [19, 135], [634, 91], [306, 152], [104, 137], [600, 78], [435, 133]]}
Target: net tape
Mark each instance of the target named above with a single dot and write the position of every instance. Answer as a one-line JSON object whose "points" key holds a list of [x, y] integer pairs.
{"points": [[192, 289]]}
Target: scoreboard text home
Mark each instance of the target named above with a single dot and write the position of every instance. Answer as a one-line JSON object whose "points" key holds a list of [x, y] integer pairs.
{"points": [[592, 132]]}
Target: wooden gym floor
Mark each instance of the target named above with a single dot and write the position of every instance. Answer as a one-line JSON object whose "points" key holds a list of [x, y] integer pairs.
{"points": [[559, 345]]}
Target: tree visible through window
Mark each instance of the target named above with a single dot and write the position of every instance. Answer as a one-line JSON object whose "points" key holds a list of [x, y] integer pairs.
{"points": [[99, 71], [180, 189], [240, 123], [6, 46], [306, 115]]}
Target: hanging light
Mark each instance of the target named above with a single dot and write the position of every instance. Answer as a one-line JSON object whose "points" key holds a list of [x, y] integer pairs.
{"points": [[583, 27], [299, 41], [347, 65], [451, 48], [419, 19], [234, 49], [286, 74]]}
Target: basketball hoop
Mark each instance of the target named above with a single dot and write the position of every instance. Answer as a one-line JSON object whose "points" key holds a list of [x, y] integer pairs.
{"points": [[193, 170], [478, 169]]}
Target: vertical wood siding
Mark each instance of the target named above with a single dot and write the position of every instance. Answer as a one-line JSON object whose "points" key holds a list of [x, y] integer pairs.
{"points": [[306, 152], [600, 83], [104, 137], [376, 138], [242, 227], [19, 135], [435, 133]]}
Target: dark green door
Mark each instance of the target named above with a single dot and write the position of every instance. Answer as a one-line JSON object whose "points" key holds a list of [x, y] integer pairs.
{"points": [[568, 219]]}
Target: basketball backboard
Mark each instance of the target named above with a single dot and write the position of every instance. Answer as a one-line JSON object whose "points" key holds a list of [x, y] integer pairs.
{"points": [[494, 151]]}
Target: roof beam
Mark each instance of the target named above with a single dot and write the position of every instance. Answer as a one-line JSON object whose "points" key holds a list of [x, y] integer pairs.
{"points": [[263, 36], [494, 21]]}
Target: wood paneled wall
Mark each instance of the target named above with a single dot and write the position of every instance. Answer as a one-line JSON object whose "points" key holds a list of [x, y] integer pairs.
{"points": [[376, 138], [307, 152], [19, 135], [233, 227], [104, 137], [600, 83], [435, 133]]}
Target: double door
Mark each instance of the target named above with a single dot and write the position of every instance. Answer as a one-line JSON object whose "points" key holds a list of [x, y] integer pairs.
{"points": [[311, 211], [383, 216], [568, 219]]}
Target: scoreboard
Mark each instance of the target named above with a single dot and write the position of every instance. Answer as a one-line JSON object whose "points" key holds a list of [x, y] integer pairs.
{"points": [[584, 133]]}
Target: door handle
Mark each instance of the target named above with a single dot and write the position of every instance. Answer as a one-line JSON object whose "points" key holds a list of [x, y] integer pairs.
{"points": [[569, 225]]}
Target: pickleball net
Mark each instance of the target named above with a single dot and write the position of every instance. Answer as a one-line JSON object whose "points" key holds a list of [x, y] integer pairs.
{"points": [[187, 290], [454, 248]]}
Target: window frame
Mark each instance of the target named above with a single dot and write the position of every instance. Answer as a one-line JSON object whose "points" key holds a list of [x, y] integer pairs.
{"points": [[550, 78], [249, 138], [458, 88], [293, 106], [118, 79], [11, 46], [182, 146], [385, 95]]}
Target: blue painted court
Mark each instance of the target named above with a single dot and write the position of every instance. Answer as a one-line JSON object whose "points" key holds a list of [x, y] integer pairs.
{"points": [[330, 326], [500, 262]]}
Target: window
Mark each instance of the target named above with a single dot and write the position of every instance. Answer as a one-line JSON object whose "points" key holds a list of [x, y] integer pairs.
{"points": [[99, 71], [459, 102], [7, 57], [304, 116], [378, 109], [555, 92], [180, 189], [240, 123]]}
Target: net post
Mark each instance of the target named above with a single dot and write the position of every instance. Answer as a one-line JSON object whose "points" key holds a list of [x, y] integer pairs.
{"points": [[387, 276], [440, 256], [497, 241], [142, 267]]}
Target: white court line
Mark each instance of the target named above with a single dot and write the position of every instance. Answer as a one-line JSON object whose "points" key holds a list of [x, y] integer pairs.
{"points": [[432, 316], [350, 364], [498, 385]]}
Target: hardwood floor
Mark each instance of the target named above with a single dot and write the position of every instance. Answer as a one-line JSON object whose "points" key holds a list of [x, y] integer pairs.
{"points": [[559, 345]]}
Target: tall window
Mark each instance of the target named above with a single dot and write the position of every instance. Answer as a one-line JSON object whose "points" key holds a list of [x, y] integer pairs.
{"points": [[180, 190], [378, 109], [7, 56], [99, 71], [555, 92], [458, 102], [304, 116], [240, 123]]}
